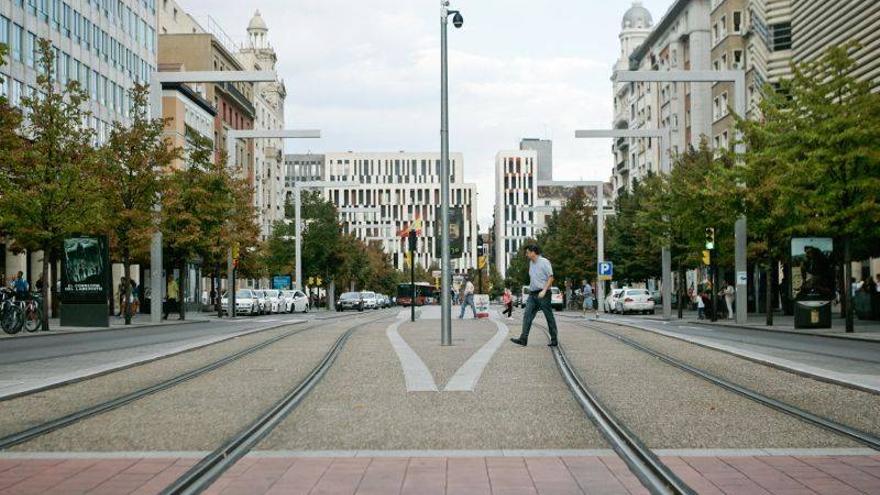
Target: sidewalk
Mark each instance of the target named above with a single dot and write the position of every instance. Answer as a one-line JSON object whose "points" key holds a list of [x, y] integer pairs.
{"points": [[864, 329], [116, 323]]}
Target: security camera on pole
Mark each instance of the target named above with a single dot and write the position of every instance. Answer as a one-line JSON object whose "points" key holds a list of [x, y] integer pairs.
{"points": [[446, 307]]}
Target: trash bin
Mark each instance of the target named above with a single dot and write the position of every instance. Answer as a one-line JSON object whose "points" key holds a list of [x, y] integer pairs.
{"points": [[812, 314]]}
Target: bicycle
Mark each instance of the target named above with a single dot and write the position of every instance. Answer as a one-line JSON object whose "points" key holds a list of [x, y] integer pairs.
{"points": [[11, 314], [32, 309]]}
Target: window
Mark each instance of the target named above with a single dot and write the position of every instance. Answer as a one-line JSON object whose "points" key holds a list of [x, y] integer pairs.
{"points": [[737, 59], [30, 48], [781, 36], [4, 30], [737, 22]]}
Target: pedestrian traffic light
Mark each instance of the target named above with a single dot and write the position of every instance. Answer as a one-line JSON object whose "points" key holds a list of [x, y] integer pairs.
{"points": [[710, 238], [707, 257], [412, 240]]}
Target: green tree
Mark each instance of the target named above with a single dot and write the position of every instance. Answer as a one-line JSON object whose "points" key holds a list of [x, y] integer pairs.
{"points": [[48, 169], [569, 240], [518, 269], [627, 243], [830, 123], [131, 161]]}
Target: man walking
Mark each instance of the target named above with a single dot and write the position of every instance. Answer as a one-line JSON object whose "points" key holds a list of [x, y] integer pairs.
{"points": [[467, 298], [540, 281]]}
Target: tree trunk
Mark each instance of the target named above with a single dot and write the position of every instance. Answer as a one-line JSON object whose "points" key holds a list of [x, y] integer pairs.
{"points": [[126, 263], [44, 291], [847, 275], [55, 284], [331, 295], [215, 289], [768, 289], [682, 282], [181, 292]]}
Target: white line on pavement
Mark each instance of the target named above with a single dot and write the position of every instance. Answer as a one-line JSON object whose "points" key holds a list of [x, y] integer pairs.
{"points": [[415, 372], [466, 378]]}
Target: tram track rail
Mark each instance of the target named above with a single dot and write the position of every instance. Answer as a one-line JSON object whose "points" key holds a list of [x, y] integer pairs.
{"points": [[865, 438], [36, 431], [654, 475], [211, 467]]}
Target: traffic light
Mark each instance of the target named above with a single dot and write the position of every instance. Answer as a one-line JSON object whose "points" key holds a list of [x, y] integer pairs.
{"points": [[707, 257], [710, 238]]}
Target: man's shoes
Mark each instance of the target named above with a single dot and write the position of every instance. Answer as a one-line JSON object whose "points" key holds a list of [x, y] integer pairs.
{"points": [[518, 342], [553, 344]]}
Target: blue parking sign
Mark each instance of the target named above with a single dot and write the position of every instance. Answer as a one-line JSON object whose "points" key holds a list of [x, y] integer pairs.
{"points": [[606, 270]]}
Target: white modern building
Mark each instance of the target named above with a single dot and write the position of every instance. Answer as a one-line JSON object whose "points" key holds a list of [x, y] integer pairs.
{"points": [[105, 46], [301, 167], [269, 170], [516, 191], [682, 40], [396, 191]]}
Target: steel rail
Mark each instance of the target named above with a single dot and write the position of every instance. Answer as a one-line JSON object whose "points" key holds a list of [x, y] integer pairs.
{"points": [[857, 435], [655, 476], [64, 421], [211, 467]]}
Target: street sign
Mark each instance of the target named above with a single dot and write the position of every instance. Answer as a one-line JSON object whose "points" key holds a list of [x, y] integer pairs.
{"points": [[606, 270]]}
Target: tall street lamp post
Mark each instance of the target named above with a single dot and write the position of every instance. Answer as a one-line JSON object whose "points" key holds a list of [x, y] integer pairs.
{"points": [[738, 78], [445, 303], [664, 136], [156, 81]]}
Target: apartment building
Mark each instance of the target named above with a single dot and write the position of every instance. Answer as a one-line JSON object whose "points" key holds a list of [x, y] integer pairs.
{"points": [[107, 46]]}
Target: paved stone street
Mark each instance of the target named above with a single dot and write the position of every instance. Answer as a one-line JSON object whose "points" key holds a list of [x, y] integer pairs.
{"points": [[396, 412]]}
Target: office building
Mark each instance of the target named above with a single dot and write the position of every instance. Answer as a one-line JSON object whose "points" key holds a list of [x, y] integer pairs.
{"points": [[106, 46], [395, 191], [544, 148]]}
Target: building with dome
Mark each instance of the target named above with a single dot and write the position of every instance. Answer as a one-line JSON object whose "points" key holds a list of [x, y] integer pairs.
{"points": [[679, 41], [269, 170]]}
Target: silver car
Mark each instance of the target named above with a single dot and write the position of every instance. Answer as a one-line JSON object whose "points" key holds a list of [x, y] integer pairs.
{"points": [[371, 301], [246, 303], [260, 295], [273, 300]]}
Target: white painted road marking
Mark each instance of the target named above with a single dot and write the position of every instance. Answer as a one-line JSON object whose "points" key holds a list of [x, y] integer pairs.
{"points": [[466, 378], [415, 372]]}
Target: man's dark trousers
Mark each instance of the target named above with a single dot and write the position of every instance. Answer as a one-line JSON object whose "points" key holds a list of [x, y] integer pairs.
{"points": [[534, 305]]}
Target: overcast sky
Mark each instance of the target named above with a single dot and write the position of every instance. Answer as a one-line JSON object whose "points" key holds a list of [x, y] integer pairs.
{"points": [[368, 75]]}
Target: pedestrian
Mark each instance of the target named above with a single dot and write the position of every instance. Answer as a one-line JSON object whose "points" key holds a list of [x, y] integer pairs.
{"points": [[540, 282], [121, 288], [701, 306], [729, 296], [172, 295], [587, 291], [134, 301], [467, 298], [877, 283], [854, 286], [507, 299], [21, 286]]}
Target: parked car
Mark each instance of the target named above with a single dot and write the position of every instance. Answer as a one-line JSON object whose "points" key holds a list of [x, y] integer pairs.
{"points": [[273, 300], [245, 303], [350, 300], [300, 302], [370, 300], [611, 300], [635, 300], [557, 302], [260, 295]]}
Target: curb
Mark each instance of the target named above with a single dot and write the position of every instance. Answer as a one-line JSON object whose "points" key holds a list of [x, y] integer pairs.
{"points": [[852, 337]]}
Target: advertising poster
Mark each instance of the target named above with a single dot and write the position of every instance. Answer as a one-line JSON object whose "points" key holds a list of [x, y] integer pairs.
{"points": [[456, 233], [481, 301], [812, 269], [85, 269], [282, 282]]}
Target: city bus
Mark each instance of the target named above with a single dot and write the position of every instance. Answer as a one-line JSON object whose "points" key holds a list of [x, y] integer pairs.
{"points": [[424, 294]]}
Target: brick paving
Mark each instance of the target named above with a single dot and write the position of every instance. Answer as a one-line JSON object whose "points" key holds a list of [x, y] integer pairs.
{"points": [[733, 475]]}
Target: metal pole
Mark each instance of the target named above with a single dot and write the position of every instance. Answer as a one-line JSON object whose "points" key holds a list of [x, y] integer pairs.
{"points": [[156, 241], [297, 207], [230, 285], [412, 279], [445, 306], [666, 294], [600, 245], [741, 226]]}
